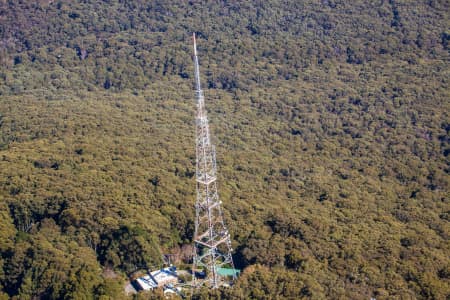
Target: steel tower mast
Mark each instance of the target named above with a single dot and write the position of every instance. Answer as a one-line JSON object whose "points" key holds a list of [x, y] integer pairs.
{"points": [[212, 241]]}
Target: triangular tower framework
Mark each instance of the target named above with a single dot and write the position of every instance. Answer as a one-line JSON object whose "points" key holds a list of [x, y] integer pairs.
{"points": [[212, 241]]}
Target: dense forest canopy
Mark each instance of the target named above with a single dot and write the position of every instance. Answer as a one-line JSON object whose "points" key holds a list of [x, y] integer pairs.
{"points": [[330, 119]]}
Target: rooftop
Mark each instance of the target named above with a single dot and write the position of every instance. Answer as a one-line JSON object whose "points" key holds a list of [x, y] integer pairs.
{"points": [[157, 278]]}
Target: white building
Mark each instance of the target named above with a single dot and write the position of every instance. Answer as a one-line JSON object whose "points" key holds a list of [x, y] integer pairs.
{"points": [[158, 278]]}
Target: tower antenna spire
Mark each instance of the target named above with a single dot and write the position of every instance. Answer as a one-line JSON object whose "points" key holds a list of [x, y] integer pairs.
{"points": [[195, 44], [197, 71], [212, 242]]}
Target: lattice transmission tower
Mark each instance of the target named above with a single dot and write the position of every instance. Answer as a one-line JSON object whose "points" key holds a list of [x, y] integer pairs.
{"points": [[212, 241]]}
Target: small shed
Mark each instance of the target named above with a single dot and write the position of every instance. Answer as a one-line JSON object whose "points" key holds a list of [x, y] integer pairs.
{"points": [[228, 272]]}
